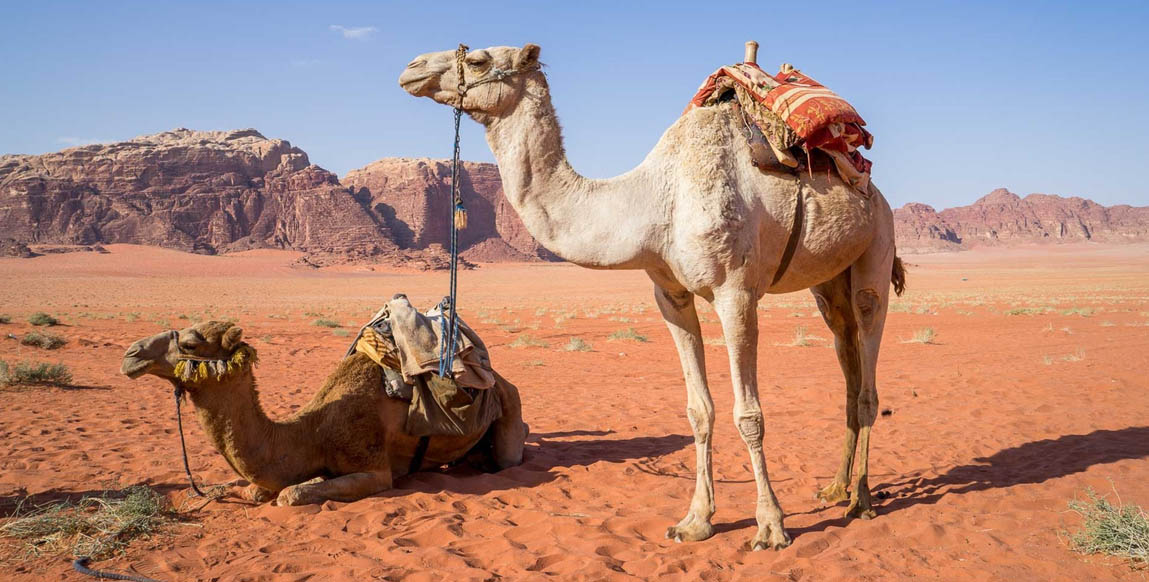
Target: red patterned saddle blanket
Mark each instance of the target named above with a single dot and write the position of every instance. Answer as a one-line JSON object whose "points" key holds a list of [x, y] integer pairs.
{"points": [[793, 110]]}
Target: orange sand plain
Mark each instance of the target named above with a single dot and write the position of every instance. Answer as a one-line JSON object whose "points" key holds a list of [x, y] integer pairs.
{"points": [[993, 427]]}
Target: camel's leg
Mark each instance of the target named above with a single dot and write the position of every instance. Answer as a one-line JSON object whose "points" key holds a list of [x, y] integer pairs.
{"points": [[350, 487], [870, 288], [510, 432], [677, 307], [257, 494], [834, 302], [736, 309]]}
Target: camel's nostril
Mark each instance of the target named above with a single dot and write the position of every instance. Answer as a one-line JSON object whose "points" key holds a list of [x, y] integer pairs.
{"points": [[416, 64]]}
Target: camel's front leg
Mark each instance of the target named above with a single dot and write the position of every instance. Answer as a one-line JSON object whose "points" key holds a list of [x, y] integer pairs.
{"points": [[736, 309], [678, 310], [350, 487]]}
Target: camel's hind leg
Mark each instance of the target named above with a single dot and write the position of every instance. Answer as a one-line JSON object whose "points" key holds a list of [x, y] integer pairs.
{"points": [[677, 307], [869, 292], [837, 309], [510, 432]]}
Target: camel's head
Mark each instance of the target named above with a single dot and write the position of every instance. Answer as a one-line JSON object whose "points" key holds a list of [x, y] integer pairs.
{"points": [[495, 78], [211, 349]]}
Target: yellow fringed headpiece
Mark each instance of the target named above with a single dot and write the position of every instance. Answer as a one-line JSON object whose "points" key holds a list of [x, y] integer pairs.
{"points": [[196, 370]]}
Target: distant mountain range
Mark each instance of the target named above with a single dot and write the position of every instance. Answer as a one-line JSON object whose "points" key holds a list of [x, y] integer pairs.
{"points": [[225, 191]]}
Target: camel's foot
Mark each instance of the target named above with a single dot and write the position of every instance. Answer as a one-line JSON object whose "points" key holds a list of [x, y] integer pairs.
{"points": [[770, 537], [834, 492], [861, 504], [690, 529], [301, 494], [256, 494]]}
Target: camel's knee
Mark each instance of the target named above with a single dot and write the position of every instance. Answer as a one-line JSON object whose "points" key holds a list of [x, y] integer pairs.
{"points": [[702, 422], [867, 301], [749, 425], [868, 406]]}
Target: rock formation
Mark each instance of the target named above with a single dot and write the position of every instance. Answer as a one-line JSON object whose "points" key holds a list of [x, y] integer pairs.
{"points": [[1004, 218], [412, 198]]}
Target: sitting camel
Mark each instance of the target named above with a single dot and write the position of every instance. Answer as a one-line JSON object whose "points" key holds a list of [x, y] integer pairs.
{"points": [[346, 444]]}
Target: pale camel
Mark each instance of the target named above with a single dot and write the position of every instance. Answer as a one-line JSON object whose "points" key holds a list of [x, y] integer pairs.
{"points": [[346, 444], [701, 221]]}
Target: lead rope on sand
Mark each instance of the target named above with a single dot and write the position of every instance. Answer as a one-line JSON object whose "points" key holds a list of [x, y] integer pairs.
{"points": [[80, 564]]}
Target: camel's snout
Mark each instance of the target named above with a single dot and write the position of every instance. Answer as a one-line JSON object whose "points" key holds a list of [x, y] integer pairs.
{"points": [[421, 77], [140, 356]]}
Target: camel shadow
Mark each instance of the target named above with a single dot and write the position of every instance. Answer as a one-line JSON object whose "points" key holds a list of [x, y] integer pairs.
{"points": [[1027, 463], [540, 459]]}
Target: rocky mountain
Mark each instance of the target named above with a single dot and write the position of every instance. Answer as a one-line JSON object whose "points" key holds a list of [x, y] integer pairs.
{"points": [[1002, 218], [412, 198], [225, 191]]}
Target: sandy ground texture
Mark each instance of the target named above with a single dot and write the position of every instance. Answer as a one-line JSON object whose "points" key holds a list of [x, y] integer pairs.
{"points": [[1033, 389]]}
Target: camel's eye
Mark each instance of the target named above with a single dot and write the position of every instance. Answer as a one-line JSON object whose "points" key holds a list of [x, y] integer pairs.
{"points": [[190, 341], [478, 60]]}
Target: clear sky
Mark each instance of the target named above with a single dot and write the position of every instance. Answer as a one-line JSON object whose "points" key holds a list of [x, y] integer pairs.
{"points": [[962, 97]]}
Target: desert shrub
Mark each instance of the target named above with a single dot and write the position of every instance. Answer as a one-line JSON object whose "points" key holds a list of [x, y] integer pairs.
{"points": [[25, 373], [1082, 311], [5, 319], [924, 335], [341, 332], [628, 334], [1025, 311], [802, 338], [47, 341], [526, 341], [577, 345], [322, 322], [41, 318], [1111, 528], [95, 526]]}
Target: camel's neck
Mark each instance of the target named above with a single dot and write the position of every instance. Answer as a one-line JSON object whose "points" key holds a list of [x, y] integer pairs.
{"points": [[593, 223], [259, 449]]}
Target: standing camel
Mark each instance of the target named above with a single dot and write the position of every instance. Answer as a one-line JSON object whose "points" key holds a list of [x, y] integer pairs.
{"points": [[701, 220]]}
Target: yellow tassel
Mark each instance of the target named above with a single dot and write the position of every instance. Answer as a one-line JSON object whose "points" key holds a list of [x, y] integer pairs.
{"points": [[460, 218]]}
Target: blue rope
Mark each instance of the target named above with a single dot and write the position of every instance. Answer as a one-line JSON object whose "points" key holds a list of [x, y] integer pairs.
{"points": [[449, 325]]}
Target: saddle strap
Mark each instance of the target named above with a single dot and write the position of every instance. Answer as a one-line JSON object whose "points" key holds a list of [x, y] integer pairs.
{"points": [[795, 234], [420, 452]]}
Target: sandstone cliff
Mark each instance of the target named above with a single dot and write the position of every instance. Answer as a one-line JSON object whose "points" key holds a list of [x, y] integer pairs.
{"points": [[1002, 218]]}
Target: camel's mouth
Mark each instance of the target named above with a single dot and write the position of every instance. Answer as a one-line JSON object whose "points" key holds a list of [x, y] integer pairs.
{"points": [[416, 84], [134, 367]]}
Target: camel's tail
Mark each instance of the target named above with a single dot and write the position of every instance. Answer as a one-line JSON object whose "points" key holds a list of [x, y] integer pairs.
{"points": [[898, 276]]}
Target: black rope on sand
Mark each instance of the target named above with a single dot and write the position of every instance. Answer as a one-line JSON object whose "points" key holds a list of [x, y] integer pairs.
{"points": [[81, 565]]}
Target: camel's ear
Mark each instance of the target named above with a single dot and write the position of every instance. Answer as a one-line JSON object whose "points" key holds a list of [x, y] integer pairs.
{"points": [[232, 337], [527, 57]]}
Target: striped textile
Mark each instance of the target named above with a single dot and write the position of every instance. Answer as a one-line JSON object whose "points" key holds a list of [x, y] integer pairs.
{"points": [[817, 116]]}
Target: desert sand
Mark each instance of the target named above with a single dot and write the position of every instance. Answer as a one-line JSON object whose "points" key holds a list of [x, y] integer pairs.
{"points": [[1033, 390]]}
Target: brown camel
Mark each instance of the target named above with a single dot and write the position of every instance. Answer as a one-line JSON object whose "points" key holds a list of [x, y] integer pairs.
{"points": [[702, 221], [346, 444]]}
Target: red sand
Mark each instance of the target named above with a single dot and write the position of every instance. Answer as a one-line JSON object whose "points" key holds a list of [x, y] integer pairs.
{"points": [[993, 428]]}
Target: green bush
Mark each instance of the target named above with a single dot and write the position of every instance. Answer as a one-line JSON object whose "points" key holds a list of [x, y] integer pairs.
{"points": [[35, 373], [41, 318], [47, 341], [1113, 529]]}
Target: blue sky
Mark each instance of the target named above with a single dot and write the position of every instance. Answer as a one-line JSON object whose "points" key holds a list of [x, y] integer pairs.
{"points": [[962, 97]]}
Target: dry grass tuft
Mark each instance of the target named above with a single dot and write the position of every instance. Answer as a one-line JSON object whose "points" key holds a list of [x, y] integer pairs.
{"points": [[577, 345], [628, 334], [802, 338], [96, 526], [924, 335], [322, 322], [526, 341], [1113, 529]]}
